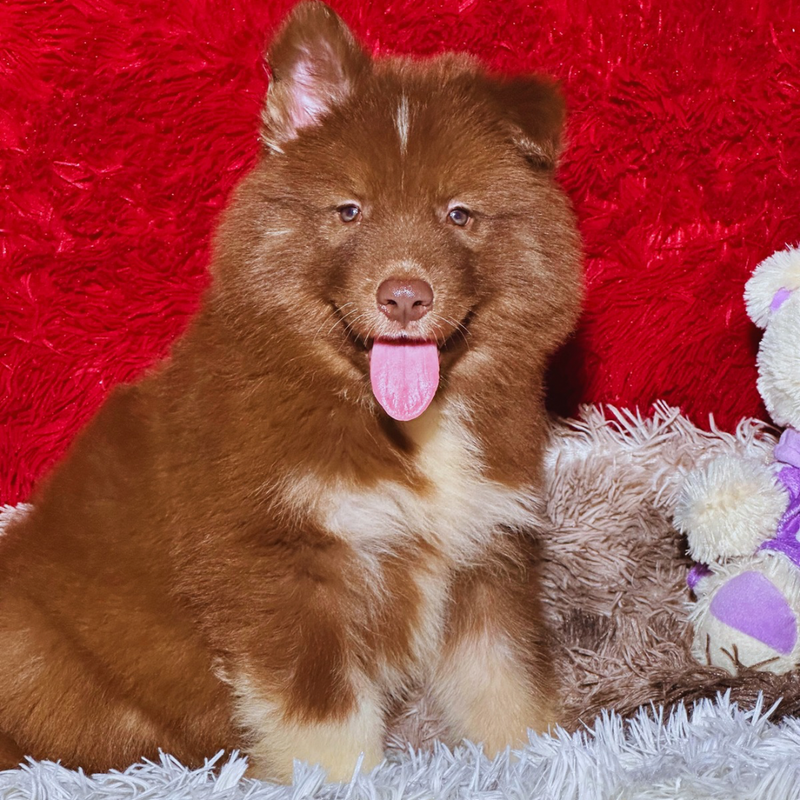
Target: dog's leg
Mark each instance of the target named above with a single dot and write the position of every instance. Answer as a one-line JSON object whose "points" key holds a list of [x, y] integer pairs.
{"points": [[494, 679], [58, 702], [337, 741], [11, 754], [298, 663]]}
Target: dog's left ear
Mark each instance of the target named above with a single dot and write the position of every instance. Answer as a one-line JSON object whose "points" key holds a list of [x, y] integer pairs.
{"points": [[315, 61], [535, 108]]}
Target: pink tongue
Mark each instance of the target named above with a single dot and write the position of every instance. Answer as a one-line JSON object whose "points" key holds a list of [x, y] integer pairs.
{"points": [[405, 376]]}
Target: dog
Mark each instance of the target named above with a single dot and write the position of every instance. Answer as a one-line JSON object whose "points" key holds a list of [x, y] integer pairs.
{"points": [[328, 493]]}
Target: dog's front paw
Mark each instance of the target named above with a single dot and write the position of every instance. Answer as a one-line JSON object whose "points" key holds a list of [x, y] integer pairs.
{"points": [[340, 763], [349, 740]]}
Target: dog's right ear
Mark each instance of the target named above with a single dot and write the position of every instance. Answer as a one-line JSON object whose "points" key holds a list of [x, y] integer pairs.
{"points": [[315, 61]]}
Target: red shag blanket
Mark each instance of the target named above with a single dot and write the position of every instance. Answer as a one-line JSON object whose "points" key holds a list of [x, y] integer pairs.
{"points": [[125, 123]]}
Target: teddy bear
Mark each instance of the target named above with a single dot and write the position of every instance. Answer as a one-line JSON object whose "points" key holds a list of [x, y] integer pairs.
{"points": [[741, 516]]}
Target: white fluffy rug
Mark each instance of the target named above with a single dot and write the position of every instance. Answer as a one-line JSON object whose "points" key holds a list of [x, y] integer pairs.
{"points": [[712, 752]]}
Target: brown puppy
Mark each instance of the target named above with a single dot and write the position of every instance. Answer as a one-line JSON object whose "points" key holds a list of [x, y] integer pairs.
{"points": [[324, 497]]}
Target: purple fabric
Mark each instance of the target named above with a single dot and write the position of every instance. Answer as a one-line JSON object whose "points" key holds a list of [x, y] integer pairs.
{"points": [[751, 604], [787, 451], [696, 574], [781, 296]]}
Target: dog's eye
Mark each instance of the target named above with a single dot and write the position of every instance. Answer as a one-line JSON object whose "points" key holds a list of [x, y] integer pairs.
{"points": [[349, 212], [459, 216]]}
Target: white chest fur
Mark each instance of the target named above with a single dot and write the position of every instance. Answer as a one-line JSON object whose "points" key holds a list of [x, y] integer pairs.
{"points": [[457, 513]]}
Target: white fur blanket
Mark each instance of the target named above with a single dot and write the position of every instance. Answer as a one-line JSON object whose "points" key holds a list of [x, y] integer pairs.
{"points": [[715, 751]]}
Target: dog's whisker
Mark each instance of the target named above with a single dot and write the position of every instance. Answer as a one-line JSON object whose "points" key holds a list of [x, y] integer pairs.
{"points": [[343, 319], [458, 327], [333, 311], [351, 323]]}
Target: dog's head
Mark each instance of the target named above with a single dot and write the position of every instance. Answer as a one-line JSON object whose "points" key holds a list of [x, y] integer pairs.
{"points": [[404, 217]]}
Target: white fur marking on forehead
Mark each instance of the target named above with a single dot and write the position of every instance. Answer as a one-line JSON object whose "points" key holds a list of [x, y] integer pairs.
{"points": [[401, 121]]}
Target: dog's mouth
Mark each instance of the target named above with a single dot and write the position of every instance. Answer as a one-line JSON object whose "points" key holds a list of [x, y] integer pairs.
{"points": [[405, 375], [404, 367]]}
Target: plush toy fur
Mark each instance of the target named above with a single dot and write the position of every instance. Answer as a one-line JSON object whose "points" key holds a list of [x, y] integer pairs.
{"points": [[740, 516]]}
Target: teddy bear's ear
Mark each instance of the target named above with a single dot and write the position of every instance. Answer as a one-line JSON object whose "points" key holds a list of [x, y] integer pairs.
{"points": [[772, 282]]}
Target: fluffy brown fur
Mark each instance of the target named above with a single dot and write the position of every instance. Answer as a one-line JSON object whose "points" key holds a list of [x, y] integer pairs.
{"points": [[244, 550]]}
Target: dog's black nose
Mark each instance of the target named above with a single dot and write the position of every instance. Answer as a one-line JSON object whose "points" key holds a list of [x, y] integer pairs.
{"points": [[404, 301]]}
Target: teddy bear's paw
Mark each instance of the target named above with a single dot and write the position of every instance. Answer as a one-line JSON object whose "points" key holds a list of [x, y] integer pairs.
{"points": [[728, 507], [750, 619]]}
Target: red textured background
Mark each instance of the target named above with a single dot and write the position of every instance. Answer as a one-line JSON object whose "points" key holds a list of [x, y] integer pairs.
{"points": [[124, 125]]}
